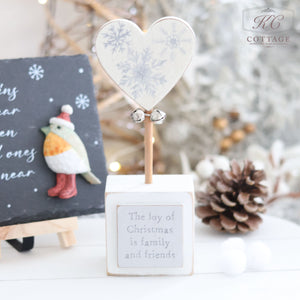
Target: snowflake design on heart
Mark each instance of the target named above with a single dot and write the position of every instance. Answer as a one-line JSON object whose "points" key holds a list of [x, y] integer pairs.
{"points": [[117, 38], [36, 72], [141, 73], [82, 101], [173, 41]]}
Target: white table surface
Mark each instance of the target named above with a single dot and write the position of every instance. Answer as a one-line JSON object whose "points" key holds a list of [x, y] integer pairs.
{"points": [[49, 272]]}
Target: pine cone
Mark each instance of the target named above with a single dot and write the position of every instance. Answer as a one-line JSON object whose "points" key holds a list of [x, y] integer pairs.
{"points": [[230, 199]]}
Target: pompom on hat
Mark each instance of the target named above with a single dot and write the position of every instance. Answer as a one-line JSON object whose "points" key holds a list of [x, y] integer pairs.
{"points": [[63, 118]]}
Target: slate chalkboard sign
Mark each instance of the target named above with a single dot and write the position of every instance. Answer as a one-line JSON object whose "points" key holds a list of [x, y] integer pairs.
{"points": [[33, 90]]}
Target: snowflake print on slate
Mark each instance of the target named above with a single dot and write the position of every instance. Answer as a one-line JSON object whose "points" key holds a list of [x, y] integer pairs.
{"points": [[141, 73], [117, 38], [82, 101], [36, 72], [173, 41]]}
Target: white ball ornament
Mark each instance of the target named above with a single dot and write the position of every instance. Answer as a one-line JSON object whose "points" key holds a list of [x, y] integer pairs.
{"points": [[195, 178], [205, 168], [221, 162], [259, 165], [233, 243], [233, 261], [259, 255]]}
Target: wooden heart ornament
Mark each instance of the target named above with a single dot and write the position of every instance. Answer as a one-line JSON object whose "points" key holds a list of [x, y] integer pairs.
{"points": [[145, 65]]}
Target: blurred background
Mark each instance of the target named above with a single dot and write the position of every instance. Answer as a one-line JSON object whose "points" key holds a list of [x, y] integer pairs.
{"points": [[236, 100]]}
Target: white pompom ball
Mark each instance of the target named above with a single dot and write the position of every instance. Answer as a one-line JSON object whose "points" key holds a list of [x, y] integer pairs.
{"points": [[259, 165], [259, 255], [195, 177], [221, 162], [233, 243], [205, 168], [233, 261], [202, 187], [67, 109]]}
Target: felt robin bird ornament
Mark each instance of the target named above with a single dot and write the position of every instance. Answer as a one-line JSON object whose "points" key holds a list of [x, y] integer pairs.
{"points": [[65, 154]]}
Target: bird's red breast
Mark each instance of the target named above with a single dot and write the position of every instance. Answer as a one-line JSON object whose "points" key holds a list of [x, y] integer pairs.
{"points": [[55, 145]]}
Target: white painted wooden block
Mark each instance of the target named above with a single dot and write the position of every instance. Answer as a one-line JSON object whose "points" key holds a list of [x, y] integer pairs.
{"points": [[150, 227]]}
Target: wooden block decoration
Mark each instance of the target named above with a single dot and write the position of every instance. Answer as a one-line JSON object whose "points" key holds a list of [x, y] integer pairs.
{"points": [[149, 220], [149, 228], [56, 94]]}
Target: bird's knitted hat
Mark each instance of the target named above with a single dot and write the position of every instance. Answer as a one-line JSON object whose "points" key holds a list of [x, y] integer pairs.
{"points": [[63, 118]]}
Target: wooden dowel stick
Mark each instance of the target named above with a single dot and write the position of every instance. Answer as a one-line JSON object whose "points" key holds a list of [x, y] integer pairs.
{"points": [[148, 148]]}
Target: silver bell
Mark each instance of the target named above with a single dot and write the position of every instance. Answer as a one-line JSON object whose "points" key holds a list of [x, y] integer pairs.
{"points": [[138, 116], [158, 116]]}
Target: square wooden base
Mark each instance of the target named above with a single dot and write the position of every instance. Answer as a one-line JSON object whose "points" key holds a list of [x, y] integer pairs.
{"points": [[150, 227]]}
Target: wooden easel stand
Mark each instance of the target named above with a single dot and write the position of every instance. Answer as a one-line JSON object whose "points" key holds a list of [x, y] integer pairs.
{"points": [[64, 228]]}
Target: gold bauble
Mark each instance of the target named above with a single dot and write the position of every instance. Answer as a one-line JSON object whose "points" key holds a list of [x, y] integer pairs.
{"points": [[237, 135], [220, 123], [234, 115], [249, 128], [226, 143]]}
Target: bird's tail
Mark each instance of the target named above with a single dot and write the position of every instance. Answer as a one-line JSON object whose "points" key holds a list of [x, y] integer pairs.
{"points": [[91, 178]]}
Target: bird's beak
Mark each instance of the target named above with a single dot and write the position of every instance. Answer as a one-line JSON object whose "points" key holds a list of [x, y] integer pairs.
{"points": [[45, 130]]}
